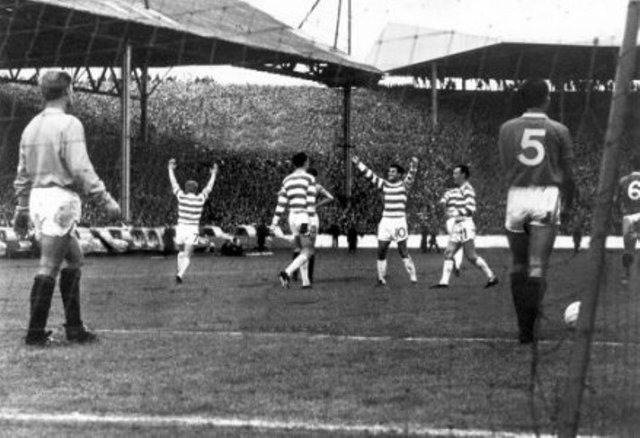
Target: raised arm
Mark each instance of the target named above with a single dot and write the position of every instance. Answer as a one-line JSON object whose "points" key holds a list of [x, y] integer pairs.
{"points": [[328, 197], [212, 180], [411, 174], [368, 173], [175, 187]]}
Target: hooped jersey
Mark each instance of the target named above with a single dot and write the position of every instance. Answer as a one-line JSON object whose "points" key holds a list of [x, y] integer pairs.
{"points": [[630, 193], [534, 150]]}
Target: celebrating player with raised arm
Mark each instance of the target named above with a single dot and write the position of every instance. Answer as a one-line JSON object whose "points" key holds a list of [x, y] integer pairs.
{"points": [[53, 170], [190, 205], [629, 201], [536, 156], [298, 193], [393, 225], [462, 230]]}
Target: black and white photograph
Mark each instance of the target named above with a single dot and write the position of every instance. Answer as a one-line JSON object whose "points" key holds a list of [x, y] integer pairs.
{"points": [[320, 218]]}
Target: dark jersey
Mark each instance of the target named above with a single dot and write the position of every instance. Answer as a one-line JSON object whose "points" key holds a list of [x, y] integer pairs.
{"points": [[630, 193], [534, 150]]}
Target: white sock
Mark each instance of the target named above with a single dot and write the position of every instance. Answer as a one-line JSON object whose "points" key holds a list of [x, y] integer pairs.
{"points": [[457, 258], [411, 269], [447, 268], [304, 274], [183, 263], [480, 263], [382, 269], [296, 263]]}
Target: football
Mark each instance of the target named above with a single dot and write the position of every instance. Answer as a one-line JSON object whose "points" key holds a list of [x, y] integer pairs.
{"points": [[571, 314]]}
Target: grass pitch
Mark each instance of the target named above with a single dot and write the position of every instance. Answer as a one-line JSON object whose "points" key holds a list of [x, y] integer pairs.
{"points": [[230, 343]]}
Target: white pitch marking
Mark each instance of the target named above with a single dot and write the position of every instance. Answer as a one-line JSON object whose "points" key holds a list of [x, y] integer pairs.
{"points": [[322, 336], [77, 418]]}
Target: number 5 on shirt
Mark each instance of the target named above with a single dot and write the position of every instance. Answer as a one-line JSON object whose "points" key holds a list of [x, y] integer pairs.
{"points": [[528, 142]]}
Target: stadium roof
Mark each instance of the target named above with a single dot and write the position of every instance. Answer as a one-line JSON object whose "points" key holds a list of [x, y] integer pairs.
{"points": [[403, 50], [79, 33]]}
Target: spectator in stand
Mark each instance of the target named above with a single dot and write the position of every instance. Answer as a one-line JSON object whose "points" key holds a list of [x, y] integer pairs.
{"points": [[334, 230]]}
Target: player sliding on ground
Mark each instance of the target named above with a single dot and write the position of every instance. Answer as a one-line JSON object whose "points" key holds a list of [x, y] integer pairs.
{"points": [[298, 193], [190, 205], [393, 225], [536, 155], [462, 229], [629, 202]]}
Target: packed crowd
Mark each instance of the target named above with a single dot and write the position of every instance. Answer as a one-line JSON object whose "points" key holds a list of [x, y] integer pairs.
{"points": [[251, 131]]}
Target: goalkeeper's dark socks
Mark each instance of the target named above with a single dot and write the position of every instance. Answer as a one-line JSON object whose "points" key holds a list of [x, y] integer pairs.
{"points": [[70, 291], [41, 294], [312, 261], [519, 294]]}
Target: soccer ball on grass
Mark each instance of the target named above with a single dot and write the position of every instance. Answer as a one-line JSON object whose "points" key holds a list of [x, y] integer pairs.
{"points": [[571, 314]]}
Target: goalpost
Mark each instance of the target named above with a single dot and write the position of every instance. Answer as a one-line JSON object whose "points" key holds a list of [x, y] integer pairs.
{"points": [[569, 415]]}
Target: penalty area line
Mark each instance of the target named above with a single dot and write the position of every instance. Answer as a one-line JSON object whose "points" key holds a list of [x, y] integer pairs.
{"points": [[191, 421], [351, 338]]}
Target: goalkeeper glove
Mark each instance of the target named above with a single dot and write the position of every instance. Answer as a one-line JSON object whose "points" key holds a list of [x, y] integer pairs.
{"points": [[304, 228]]}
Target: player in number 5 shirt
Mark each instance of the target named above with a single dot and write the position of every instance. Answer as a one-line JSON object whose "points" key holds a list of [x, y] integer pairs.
{"points": [[536, 154], [629, 197]]}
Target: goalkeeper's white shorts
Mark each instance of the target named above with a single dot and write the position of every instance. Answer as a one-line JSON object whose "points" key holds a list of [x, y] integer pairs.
{"points": [[393, 229], [54, 211]]}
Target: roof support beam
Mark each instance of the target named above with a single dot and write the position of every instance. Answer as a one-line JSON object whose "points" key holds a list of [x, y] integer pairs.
{"points": [[434, 94]]}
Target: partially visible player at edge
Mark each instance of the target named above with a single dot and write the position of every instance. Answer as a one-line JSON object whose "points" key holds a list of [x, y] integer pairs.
{"points": [[393, 225], [629, 202], [462, 229], [314, 220], [536, 154], [53, 171], [190, 205], [298, 193]]}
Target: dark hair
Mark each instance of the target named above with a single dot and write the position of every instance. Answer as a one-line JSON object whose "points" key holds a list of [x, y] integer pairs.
{"points": [[398, 167], [312, 171], [299, 159], [464, 169], [54, 84], [635, 163], [191, 186], [534, 92]]}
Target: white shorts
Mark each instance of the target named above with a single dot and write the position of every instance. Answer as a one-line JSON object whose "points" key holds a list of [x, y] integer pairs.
{"points": [[393, 229], [54, 211], [533, 205], [296, 219], [187, 234], [631, 224], [462, 231]]}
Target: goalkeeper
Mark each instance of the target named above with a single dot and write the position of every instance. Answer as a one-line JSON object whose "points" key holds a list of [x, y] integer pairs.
{"points": [[53, 170]]}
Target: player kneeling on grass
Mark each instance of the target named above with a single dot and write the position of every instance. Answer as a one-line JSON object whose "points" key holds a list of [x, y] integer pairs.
{"points": [[629, 202], [190, 205], [298, 194], [462, 229], [53, 169], [393, 225], [536, 155]]}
